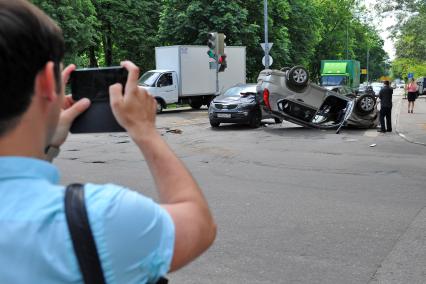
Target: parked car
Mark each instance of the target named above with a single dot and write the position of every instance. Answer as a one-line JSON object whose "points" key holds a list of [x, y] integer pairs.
{"points": [[400, 85], [284, 95], [421, 83], [238, 105], [377, 86]]}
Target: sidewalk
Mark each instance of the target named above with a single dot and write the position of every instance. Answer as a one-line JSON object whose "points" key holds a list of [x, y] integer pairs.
{"points": [[406, 261], [412, 126]]}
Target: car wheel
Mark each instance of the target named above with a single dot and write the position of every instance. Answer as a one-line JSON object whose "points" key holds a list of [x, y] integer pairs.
{"points": [[255, 119], [298, 76], [195, 105], [159, 106], [278, 120], [365, 104], [214, 124]]}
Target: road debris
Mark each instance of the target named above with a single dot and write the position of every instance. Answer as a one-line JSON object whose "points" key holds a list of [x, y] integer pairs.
{"points": [[175, 131]]}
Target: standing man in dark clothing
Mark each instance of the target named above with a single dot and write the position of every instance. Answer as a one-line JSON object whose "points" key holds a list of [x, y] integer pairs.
{"points": [[385, 97]]}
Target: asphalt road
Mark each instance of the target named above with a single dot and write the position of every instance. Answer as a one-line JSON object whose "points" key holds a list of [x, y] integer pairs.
{"points": [[293, 205]]}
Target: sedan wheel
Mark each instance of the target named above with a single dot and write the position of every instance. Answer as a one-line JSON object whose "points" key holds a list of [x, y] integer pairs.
{"points": [[159, 107], [255, 119], [366, 104], [298, 76], [214, 124]]}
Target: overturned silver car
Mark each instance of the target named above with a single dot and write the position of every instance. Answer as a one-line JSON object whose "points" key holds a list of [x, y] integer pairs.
{"points": [[287, 94]]}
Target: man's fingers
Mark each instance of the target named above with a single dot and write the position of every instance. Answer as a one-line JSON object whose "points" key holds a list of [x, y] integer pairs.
{"points": [[133, 77], [68, 102], [75, 110], [67, 73], [116, 95]]}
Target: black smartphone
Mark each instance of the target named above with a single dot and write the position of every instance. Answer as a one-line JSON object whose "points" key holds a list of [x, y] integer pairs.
{"points": [[94, 83]]}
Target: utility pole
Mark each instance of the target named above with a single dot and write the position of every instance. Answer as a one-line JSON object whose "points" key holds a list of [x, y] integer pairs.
{"points": [[265, 11], [347, 41], [217, 75], [368, 59]]}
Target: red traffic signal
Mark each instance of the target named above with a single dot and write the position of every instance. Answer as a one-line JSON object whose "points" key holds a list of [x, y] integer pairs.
{"points": [[223, 63]]}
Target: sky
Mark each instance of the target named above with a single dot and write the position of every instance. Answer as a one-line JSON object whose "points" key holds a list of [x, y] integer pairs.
{"points": [[383, 24]]}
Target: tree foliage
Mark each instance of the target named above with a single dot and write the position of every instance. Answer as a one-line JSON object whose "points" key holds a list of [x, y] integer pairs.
{"points": [[79, 23], [104, 32], [410, 36]]}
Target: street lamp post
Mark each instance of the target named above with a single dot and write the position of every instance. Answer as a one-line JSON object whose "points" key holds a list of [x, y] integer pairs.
{"points": [[347, 41], [265, 11], [368, 59]]}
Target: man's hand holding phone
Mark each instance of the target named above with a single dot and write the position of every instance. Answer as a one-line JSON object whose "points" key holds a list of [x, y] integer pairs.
{"points": [[70, 110], [135, 110]]}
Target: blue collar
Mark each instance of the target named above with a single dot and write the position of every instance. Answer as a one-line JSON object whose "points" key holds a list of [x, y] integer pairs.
{"points": [[22, 167]]}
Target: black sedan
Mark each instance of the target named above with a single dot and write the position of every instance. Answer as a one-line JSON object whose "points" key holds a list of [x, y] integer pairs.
{"points": [[237, 105]]}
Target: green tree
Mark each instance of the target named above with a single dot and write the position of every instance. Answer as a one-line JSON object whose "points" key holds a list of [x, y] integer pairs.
{"points": [[189, 22], [335, 16], [78, 21], [409, 35], [304, 29], [128, 30], [411, 42], [345, 35]]}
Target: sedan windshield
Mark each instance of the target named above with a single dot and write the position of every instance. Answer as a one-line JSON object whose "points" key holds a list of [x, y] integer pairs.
{"points": [[148, 79], [237, 91]]}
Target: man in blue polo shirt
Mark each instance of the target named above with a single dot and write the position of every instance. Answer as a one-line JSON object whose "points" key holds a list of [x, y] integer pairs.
{"points": [[137, 239]]}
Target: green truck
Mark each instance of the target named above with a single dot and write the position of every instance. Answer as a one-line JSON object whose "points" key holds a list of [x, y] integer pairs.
{"points": [[340, 73]]}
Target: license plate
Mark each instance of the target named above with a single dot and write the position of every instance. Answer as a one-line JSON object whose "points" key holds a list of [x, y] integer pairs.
{"points": [[224, 115]]}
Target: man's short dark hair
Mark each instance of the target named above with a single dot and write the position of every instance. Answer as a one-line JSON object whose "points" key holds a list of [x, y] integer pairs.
{"points": [[28, 40], [386, 83]]}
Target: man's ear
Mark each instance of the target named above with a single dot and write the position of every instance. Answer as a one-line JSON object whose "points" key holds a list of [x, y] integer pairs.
{"points": [[45, 83]]}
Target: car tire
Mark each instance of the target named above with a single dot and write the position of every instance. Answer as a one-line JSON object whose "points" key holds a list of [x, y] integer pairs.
{"points": [[298, 76], [195, 105], [365, 104], [278, 120], [214, 124], [255, 119], [159, 106]]}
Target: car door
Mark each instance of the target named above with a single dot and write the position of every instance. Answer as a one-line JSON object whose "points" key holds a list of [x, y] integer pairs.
{"points": [[167, 87]]}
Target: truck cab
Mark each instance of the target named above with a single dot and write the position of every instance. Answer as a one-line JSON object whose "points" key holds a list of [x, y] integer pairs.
{"points": [[162, 85], [340, 73]]}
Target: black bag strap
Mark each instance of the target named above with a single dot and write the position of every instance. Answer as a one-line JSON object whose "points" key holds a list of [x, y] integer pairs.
{"points": [[81, 235]]}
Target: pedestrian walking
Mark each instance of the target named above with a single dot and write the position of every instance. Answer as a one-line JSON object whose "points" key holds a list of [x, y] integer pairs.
{"points": [[412, 94], [385, 97], [124, 236]]}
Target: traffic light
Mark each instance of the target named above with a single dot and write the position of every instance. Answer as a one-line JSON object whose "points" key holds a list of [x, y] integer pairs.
{"points": [[222, 63], [212, 43], [221, 44], [211, 54]]}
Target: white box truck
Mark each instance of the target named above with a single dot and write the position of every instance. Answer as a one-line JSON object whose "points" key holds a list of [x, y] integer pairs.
{"points": [[183, 75]]}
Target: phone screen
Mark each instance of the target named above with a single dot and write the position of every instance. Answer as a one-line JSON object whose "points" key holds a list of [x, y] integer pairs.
{"points": [[94, 83]]}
